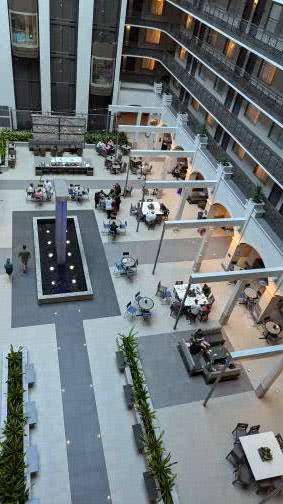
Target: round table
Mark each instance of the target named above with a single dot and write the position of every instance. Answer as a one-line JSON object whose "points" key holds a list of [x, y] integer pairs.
{"points": [[250, 293], [128, 262], [272, 327], [146, 303]]}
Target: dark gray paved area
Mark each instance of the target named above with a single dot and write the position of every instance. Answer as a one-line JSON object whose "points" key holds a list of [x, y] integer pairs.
{"points": [[181, 249], [25, 310], [167, 378], [86, 462]]}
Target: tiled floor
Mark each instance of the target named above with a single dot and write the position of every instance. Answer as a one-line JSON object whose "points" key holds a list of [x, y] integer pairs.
{"points": [[199, 438]]}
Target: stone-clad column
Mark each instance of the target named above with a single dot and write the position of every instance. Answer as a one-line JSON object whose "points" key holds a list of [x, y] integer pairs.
{"points": [[61, 191]]}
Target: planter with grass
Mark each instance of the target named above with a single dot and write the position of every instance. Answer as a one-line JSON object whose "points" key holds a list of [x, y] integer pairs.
{"points": [[16, 454], [159, 477]]}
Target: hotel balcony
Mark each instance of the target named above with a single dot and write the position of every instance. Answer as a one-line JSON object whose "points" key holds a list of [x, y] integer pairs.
{"points": [[24, 34], [252, 88], [255, 147], [249, 35]]}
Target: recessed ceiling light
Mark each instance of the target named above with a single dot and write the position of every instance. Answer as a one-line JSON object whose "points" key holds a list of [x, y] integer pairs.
{"points": [[47, 231], [69, 254], [50, 255], [68, 242], [72, 267], [74, 281], [52, 268], [49, 242], [53, 282]]}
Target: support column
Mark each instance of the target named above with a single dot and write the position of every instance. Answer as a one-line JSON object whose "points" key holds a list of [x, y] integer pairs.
{"points": [[270, 378], [44, 52], [186, 192], [166, 102], [7, 94], [116, 83], [84, 55], [224, 317], [61, 192], [138, 123], [202, 250]]}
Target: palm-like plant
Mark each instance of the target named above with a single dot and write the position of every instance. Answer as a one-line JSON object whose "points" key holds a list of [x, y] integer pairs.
{"points": [[158, 462]]}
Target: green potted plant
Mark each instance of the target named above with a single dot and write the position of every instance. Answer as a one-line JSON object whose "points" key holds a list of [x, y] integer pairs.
{"points": [[257, 195]]}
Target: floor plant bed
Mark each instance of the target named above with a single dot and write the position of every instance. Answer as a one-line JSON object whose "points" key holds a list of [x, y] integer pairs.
{"points": [[157, 460], [13, 488]]}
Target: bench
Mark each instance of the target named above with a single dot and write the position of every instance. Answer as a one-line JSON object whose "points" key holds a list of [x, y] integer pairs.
{"points": [[32, 460], [31, 413], [151, 488], [138, 435], [129, 395], [30, 374], [120, 361]]}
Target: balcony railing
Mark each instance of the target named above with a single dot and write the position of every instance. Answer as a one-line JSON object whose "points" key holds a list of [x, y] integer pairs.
{"points": [[250, 142], [255, 37], [269, 100]]}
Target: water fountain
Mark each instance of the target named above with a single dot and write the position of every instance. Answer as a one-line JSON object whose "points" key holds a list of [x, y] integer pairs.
{"points": [[61, 267]]}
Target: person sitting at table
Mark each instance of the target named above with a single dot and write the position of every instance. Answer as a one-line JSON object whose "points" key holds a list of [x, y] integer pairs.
{"points": [[101, 146], [38, 195], [30, 190], [150, 218], [113, 228], [116, 203], [47, 184], [108, 206], [117, 189], [206, 290], [193, 311]]}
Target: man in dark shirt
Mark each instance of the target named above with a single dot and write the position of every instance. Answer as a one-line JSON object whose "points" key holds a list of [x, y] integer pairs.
{"points": [[24, 256]]}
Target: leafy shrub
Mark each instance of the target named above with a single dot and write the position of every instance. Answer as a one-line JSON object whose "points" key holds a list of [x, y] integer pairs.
{"points": [[8, 135], [13, 488], [93, 137], [158, 461]]}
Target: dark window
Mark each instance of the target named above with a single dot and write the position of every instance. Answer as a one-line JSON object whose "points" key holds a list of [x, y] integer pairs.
{"points": [[275, 195], [276, 135], [220, 86]]}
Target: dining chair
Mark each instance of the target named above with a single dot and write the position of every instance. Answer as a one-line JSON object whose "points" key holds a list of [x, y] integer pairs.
{"points": [[254, 429], [236, 455], [179, 282], [243, 476], [277, 489], [126, 254], [240, 430], [280, 440], [138, 297], [161, 289], [131, 311]]}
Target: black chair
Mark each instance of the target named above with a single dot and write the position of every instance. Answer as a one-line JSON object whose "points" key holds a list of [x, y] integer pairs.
{"points": [[175, 308], [161, 289], [240, 430], [138, 297], [179, 282], [254, 429], [243, 476], [126, 253], [236, 456], [280, 440]]}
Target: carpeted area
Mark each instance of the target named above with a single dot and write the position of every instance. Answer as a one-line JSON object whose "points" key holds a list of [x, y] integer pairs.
{"points": [[167, 378]]}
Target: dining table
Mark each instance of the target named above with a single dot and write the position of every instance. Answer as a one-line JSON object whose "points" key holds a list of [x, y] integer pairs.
{"points": [[151, 207], [128, 262], [263, 469], [250, 293], [146, 303], [198, 299], [272, 328]]}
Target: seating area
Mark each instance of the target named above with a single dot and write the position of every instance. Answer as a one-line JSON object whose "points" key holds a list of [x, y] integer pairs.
{"points": [[109, 202], [62, 165], [198, 303], [257, 460], [141, 306], [56, 148], [114, 227], [127, 266], [205, 353], [150, 212]]}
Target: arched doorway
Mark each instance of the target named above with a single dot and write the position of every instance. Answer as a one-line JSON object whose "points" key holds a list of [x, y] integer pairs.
{"points": [[219, 211], [247, 257]]}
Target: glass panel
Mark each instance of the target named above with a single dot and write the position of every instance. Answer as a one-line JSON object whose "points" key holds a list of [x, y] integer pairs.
{"points": [[23, 28], [273, 17], [276, 135], [148, 64], [275, 195], [261, 174], [230, 48], [102, 71], [152, 37], [252, 114], [239, 151], [267, 72], [182, 53], [220, 86], [189, 22], [157, 7]]}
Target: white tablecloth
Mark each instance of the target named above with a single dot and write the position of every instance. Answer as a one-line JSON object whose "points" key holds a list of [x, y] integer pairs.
{"points": [[190, 301], [263, 470], [156, 210]]}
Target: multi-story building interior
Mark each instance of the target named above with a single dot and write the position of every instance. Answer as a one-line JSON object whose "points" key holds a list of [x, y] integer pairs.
{"points": [[198, 79]]}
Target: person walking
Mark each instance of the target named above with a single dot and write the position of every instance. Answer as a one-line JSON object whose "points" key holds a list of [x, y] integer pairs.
{"points": [[8, 267], [24, 256]]}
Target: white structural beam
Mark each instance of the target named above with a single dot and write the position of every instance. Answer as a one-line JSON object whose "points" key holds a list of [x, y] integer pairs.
{"points": [[44, 51], [230, 276], [115, 109], [116, 84], [7, 94], [161, 153], [269, 379], [129, 128], [182, 184], [84, 55], [205, 223]]}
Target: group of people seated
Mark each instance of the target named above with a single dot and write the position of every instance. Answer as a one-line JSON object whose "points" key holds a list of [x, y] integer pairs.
{"points": [[180, 171], [43, 192], [105, 149], [78, 192], [109, 202], [197, 310]]}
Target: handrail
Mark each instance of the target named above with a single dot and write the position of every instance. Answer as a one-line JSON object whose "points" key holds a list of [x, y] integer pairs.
{"points": [[256, 37], [250, 142], [268, 99]]}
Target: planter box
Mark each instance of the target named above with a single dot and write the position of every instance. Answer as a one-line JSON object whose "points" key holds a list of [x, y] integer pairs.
{"points": [[138, 435], [120, 361], [129, 395], [151, 487]]}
